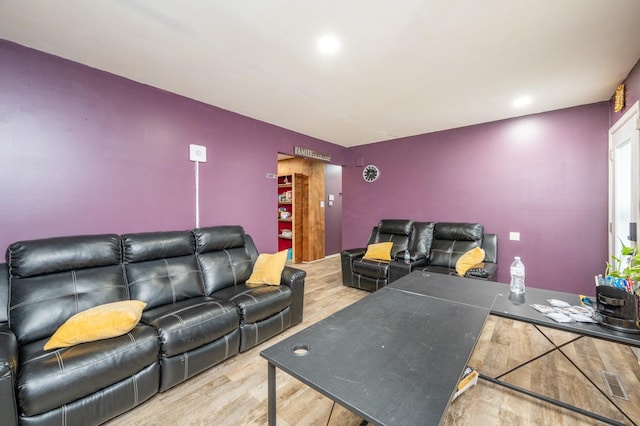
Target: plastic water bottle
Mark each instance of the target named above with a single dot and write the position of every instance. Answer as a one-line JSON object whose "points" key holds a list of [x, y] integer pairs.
{"points": [[407, 256], [517, 276]]}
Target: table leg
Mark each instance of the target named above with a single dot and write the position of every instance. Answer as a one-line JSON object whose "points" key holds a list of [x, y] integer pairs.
{"points": [[271, 377]]}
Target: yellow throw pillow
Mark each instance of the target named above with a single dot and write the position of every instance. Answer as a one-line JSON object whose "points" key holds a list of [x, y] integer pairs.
{"points": [[100, 322], [268, 268], [379, 251], [467, 260]]}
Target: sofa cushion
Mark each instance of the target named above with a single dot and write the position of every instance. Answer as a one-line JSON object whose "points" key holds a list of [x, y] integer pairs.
{"points": [[51, 255], [189, 324], [378, 251], [226, 256], [216, 238], [145, 246], [41, 304], [393, 230], [395, 226], [100, 322], [458, 231], [451, 240], [50, 379], [225, 268], [164, 281], [468, 259], [54, 278], [268, 268], [371, 268], [161, 267], [421, 239], [257, 303], [446, 253]]}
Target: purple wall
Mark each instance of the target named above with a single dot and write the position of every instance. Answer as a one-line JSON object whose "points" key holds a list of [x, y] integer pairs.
{"points": [[544, 176], [84, 151]]}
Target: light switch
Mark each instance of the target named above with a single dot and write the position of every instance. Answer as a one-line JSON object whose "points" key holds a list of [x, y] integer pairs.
{"points": [[514, 236], [331, 197]]}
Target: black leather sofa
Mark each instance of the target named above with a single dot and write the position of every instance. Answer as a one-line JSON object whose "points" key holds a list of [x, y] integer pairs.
{"points": [[434, 247], [199, 312]]}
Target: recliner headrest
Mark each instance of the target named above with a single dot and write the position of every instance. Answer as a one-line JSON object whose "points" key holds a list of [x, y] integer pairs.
{"points": [[51, 255], [145, 246], [457, 231], [216, 238], [395, 226]]}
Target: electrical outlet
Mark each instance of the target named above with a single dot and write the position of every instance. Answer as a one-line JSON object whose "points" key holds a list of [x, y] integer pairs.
{"points": [[514, 236]]}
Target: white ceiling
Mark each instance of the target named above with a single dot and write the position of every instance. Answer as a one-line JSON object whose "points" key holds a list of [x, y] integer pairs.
{"points": [[405, 67]]}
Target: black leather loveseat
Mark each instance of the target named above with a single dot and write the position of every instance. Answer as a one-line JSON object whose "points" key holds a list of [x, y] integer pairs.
{"points": [[198, 312], [433, 246]]}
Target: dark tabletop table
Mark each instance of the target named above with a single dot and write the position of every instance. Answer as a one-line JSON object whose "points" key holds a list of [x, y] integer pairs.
{"points": [[497, 298], [396, 356], [393, 358]]}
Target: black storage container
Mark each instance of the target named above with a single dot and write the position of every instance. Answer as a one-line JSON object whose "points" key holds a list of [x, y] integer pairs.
{"points": [[618, 309]]}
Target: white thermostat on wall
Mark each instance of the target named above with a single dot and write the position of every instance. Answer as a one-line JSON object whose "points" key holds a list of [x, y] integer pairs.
{"points": [[198, 153]]}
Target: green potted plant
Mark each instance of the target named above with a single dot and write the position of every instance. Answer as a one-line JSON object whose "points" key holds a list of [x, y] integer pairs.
{"points": [[626, 266]]}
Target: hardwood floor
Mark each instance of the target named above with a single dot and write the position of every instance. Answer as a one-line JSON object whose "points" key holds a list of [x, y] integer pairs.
{"points": [[235, 391], [505, 344]]}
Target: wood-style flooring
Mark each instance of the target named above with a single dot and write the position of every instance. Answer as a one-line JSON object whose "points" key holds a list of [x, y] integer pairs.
{"points": [[235, 391], [505, 344]]}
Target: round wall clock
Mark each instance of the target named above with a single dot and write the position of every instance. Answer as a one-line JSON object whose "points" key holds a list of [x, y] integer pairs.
{"points": [[370, 173]]}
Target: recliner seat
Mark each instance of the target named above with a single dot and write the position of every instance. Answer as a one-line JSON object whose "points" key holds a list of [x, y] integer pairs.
{"points": [[433, 247], [198, 313], [264, 310], [51, 280], [453, 239], [372, 275], [195, 331]]}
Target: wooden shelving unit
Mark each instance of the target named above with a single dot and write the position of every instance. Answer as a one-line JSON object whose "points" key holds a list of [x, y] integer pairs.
{"points": [[292, 196]]}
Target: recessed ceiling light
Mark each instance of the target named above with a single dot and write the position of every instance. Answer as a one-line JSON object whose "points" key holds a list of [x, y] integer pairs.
{"points": [[522, 101], [328, 44]]}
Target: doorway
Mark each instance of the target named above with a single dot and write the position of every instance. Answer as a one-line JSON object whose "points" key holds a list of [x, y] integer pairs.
{"points": [[333, 211], [322, 224], [624, 182]]}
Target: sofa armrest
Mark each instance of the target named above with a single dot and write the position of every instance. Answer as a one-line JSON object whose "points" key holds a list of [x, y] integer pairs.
{"points": [[346, 260], [398, 269], [353, 253], [414, 257], [294, 278], [8, 367], [490, 247], [483, 271]]}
